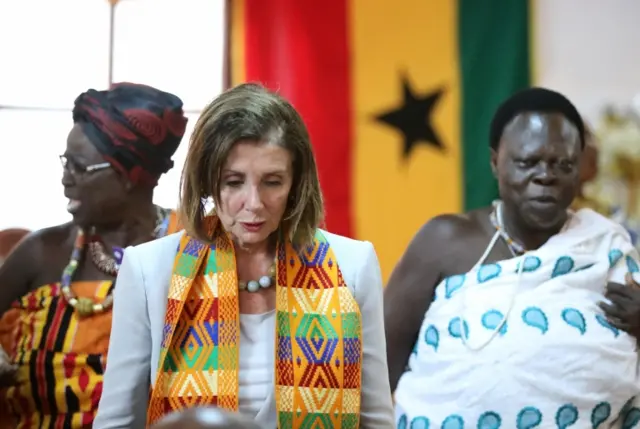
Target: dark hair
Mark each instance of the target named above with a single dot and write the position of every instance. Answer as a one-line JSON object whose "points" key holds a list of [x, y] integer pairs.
{"points": [[533, 100], [250, 112]]}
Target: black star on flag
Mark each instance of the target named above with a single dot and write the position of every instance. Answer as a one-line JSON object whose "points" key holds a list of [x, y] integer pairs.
{"points": [[413, 119]]}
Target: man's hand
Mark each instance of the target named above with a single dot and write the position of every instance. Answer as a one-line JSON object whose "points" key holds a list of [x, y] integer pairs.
{"points": [[624, 310]]}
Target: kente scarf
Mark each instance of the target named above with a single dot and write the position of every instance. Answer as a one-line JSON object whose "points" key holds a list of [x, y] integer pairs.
{"points": [[318, 335], [136, 128]]}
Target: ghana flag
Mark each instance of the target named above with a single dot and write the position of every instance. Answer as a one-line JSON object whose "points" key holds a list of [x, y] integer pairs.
{"points": [[397, 95]]}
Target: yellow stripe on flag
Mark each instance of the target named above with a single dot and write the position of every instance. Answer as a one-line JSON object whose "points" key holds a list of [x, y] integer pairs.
{"points": [[238, 71], [394, 196]]}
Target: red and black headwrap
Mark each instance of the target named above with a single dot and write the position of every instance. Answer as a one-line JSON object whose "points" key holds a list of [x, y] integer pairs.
{"points": [[137, 128]]}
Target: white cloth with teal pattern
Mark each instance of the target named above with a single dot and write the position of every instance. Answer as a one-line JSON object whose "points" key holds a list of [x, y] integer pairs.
{"points": [[556, 363]]}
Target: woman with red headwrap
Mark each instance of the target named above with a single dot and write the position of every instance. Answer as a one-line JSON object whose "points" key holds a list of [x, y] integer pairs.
{"points": [[56, 286]]}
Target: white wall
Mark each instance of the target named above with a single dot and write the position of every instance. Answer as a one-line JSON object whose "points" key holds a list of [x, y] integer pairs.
{"points": [[52, 51], [589, 50]]}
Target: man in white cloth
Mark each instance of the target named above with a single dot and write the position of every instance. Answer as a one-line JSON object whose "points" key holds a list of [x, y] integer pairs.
{"points": [[521, 315]]}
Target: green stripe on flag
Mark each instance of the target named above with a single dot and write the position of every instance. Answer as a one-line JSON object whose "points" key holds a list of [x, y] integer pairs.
{"points": [[493, 39]]}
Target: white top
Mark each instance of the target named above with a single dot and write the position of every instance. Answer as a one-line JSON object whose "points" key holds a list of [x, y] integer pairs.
{"points": [[257, 351], [138, 322], [555, 363]]}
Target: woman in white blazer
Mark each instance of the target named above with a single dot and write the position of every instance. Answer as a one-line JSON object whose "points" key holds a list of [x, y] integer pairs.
{"points": [[253, 308]]}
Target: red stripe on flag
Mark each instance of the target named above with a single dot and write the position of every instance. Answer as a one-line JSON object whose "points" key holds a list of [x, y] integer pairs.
{"points": [[301, 48]]}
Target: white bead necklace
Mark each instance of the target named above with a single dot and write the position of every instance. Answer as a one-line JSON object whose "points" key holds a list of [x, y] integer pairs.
{"points": [[263, 282]]}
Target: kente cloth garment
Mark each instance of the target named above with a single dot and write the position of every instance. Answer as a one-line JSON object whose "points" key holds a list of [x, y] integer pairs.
{"points": [[137, 128], [60, 357], [555, 363], [318, 335]]}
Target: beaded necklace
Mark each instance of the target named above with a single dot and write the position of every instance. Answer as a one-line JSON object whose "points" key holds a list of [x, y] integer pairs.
{"points": [[106, 263], [263, 282], [496, 219], [516, 248]]}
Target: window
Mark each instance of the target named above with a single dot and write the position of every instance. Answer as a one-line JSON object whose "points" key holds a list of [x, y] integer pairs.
{"points": [[47, 61], [175, 45]]}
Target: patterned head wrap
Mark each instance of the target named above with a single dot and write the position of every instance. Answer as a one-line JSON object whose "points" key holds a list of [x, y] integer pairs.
{"points": [[137, 128]]}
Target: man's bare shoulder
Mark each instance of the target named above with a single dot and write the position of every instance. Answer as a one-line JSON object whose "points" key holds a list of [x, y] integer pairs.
{"points": [[448, 227]]}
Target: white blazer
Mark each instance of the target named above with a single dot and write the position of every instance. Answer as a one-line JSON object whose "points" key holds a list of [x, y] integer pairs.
{"points": [[138, 320]]}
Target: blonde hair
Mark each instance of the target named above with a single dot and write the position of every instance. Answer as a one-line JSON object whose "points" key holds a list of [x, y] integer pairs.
{"points": [[250, 112]]}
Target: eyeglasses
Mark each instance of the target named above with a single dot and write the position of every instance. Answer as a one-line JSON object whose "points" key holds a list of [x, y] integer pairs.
{"points": [[74, 167]]}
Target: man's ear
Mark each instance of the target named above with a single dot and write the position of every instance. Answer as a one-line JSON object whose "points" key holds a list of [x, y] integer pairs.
{"points": [[494, 162]]}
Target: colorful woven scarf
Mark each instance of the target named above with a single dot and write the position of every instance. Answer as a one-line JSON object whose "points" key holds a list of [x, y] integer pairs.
{"points": [[318, 335]]}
